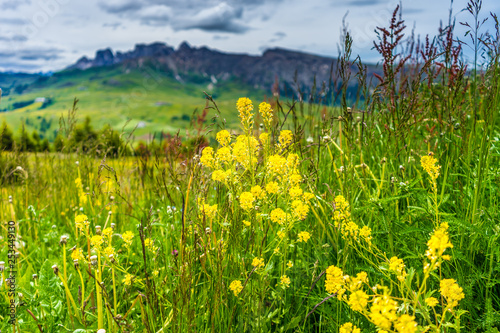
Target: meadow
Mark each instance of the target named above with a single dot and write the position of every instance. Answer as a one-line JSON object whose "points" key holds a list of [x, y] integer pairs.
{"points": [[372, 213]]}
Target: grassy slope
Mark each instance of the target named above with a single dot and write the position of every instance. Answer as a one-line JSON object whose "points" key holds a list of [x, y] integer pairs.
{"points": [[114, 96]]}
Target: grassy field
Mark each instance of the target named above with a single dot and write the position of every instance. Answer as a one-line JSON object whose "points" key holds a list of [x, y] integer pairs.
{"points": [[378, 215], [124, 98]]}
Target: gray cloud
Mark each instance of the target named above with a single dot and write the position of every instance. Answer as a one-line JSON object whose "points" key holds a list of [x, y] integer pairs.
{"points": [[157, 15], [277, 37], [206, 15], [364, 2], [120, 6], [13, 21], [33, 54], [221, 18], [14, 38], [13, 4]]}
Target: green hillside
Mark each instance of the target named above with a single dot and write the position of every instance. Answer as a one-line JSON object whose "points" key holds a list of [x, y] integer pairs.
{"points": [[152, 100]]}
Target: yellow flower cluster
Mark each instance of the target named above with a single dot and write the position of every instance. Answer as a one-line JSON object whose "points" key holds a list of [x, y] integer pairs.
{"points": [[406, 324], [128, 279], [246, 200], [258, 262], [334, 283], [431, 301], [210, 211], [245, 108], [436, 245], [223, 137], [451, 291], [77, 254], [96, 241], [358, 300], [266, 113], [428, 163], [285, 281], [341, 212], [236, 287], [285, 138], [81, 221], [221, 175], [245, 150], [397, 266], [258, 192], [127, 238], [278, 216], [303, 236], [349, 328], [207, 157], [383, 312]]}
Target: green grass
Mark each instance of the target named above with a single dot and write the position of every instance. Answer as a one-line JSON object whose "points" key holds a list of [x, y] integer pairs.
{"points": [[117, 96]]}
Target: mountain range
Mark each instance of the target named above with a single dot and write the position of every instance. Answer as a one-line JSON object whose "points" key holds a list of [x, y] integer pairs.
{"points": [[277, 64]]}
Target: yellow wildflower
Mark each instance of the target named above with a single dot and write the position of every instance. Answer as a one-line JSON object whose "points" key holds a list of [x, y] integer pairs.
{"points": [[77, 254], [264, 138], [276, 165], [303, 236], [278, 216], [281, 234], [289, 264], [107, 232], [81, 220], [358, 300], [223, 137], [272, 187], [109, 250], [246, 223], [451, 291], [236, 287], [406, 324], [246, 200], [245, 108], [295, 192], [383, 312], [224, 154], [334, 283], [209, 211], [128, 279], [366, 234], [258, 262], [398, 266], [267, 113], [438, 242], [221, 175], [341, 212], [295, 179], [349, 328], [285, 281], [258, 192], [285, 138], [428, 163], [431, 301], [299, 210], [207, 157], [127, 238], [96, 241]]}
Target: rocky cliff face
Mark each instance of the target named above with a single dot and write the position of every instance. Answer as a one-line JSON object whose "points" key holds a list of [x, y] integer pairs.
{"points": [[291, 67]]}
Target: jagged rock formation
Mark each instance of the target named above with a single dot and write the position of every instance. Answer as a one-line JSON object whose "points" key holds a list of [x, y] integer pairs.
{"points": [[292, 67]]}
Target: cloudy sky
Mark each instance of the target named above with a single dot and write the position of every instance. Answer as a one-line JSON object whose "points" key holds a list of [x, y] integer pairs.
{"points": [[48, 35]]}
